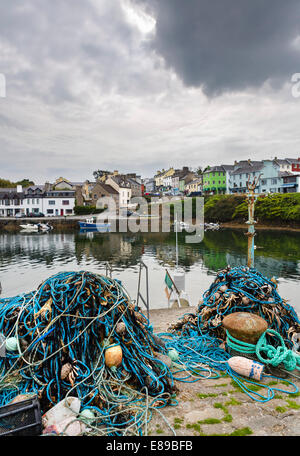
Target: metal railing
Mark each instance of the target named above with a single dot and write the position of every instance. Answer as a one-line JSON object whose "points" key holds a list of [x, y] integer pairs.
{"points": [[109, 271], [139, 295]]}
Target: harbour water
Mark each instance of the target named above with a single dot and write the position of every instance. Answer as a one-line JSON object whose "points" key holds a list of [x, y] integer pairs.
{"points": [[27, 259]]}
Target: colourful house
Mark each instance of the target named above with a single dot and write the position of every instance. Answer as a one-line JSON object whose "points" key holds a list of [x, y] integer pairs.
{"points": [[216, 179]]}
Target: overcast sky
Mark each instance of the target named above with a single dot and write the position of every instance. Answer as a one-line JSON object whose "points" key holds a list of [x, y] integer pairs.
{"points": [[137, 85]]}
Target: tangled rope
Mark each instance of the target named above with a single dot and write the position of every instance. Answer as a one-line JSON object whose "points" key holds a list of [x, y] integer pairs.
{"points": [[241, 289], [62, 331], [238, 289]]}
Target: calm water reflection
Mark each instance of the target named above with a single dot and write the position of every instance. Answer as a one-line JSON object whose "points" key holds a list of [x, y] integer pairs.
{"points": [[27, 259]]}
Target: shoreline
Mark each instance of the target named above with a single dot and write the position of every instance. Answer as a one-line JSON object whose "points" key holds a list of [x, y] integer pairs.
{"points": [[71, 222], [259, 226]]}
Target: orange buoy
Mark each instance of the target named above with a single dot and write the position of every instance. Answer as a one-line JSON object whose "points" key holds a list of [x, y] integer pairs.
{"points": [[246, 367], [113, 356]]}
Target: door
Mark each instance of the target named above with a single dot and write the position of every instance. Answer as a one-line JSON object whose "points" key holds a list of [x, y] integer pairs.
{"points": [[61, 212]]}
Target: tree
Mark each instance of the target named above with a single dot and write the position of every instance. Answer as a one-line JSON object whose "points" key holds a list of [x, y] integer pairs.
{"points": [[5, 183], [25, 183], [201, 171]]}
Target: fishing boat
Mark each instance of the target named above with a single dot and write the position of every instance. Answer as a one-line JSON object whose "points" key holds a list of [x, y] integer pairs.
{"points": [[92, 225]]}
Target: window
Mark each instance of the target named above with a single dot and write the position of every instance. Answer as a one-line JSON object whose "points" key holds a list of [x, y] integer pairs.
{"points": [[65, 202], [49, 211], [32, 200], [51, 202], [273, 181], [263, 182], [69, 211]]}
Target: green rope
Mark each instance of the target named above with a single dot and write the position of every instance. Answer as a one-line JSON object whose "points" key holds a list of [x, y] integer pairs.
{"points": [[239, 345], [275, 356], [278, 355]]}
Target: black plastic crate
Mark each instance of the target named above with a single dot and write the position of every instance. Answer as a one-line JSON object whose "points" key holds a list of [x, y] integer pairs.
{"points": [[21, 419]]}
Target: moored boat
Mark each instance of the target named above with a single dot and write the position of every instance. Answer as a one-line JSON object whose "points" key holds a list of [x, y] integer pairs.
{"points": [[91, 224], [36, 227]]}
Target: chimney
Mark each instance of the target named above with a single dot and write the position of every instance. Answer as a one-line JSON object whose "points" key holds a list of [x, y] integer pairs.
{"points": [[116, 172], [19, 189], [235, 162], [249, 161]]}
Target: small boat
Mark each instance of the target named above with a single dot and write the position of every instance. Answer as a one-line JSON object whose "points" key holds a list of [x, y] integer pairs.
{"points": [[211, 226], [181, 225], [92, 225], [36, 227]]}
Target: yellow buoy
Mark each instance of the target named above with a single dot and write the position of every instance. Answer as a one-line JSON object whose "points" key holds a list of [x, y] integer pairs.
{"points": [[113, 356]]}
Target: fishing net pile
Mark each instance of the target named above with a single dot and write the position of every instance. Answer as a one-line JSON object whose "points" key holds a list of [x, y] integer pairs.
{"points": [[241, 289], [80, 335]]}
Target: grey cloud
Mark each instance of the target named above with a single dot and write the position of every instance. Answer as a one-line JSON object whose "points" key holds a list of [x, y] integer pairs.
{"points": [[227, 45], [64, 44]]}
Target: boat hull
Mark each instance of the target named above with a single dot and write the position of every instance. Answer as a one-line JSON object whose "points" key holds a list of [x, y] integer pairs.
{"points": [[94, 226]]}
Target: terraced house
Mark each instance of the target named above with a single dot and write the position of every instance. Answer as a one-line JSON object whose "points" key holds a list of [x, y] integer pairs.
{"points": [[242, 172], [47, 199], [11, 201], [216, 180], [275, 176]]}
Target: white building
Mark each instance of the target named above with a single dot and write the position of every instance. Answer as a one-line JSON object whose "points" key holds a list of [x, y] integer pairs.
{"points": [[123, 187], [11, 201], [36, 199]]}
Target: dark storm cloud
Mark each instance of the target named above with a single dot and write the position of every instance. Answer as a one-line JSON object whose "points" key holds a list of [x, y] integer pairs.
{"points": [[53, 49], [227, 45]]}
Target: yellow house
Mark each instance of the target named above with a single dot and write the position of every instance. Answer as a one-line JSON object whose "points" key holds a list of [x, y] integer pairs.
{"points": [[194, 186], [162, 176]]}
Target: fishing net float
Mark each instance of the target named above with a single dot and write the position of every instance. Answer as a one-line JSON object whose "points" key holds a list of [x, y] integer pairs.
{"points": [[80, 335]]}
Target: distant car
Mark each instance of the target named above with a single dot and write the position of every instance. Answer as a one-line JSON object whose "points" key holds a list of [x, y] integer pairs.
{"points": [[195, 194], [36, 214], [20, 215]]}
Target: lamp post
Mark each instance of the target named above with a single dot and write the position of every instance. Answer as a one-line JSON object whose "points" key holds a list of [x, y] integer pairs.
{"points": [[251, 222]]}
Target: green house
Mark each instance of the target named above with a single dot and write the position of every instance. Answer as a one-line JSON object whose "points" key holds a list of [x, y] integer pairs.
{"points": [[216, 179]]}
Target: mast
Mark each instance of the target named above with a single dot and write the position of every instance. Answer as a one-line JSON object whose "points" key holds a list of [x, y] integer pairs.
{"points": [[176, 241], [251, 222]]}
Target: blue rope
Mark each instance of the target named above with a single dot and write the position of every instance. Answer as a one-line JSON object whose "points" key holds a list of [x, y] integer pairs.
{"points": [[65, 321]]}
